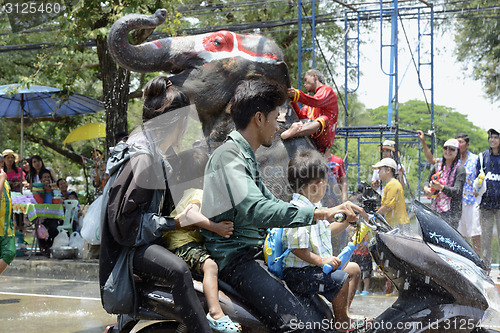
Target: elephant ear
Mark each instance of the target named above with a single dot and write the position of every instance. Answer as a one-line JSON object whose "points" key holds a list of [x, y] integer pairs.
{"points": [[286, 77]]}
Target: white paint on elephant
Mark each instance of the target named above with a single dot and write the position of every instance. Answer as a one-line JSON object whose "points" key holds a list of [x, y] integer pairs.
{"points": [[209, 56]]}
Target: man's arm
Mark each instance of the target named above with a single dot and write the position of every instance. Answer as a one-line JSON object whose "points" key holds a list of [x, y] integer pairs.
{"points": [[232, 182], [300, 129], [384, 210], [427, 151], [348, 208], [323, 97]]}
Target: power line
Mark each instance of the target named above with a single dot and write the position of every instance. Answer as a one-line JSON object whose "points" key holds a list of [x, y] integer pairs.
{"points": [[268, 25]]}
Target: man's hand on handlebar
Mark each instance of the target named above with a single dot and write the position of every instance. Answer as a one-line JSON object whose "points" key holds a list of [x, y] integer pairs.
{"points": [[348, 208]]}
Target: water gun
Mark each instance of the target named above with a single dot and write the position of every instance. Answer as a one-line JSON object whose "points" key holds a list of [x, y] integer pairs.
{"points": [[435, 177], [346, 253], [480, 179], [480, 185]]}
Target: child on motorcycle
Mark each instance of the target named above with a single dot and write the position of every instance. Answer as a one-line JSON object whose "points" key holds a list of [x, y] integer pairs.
{"points": [[188, 173], [312, 245]]}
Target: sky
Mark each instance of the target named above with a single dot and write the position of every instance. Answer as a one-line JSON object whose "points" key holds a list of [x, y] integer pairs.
{"points": [[453, 86]]}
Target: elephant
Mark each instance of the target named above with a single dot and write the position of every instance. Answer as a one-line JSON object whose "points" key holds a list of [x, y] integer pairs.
{"points": [[208, 68]]}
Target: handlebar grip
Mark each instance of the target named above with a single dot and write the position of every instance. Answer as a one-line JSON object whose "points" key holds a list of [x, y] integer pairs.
{"points": [[339, 217]]}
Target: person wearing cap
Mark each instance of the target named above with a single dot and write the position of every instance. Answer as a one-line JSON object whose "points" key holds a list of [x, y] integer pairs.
{"points": [[321, 110], [489, 162], [469, 225], [387, 150], [450, 185], [393, 198]]}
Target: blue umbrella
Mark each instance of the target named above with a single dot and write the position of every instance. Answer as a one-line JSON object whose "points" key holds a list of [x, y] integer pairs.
{"points": [[42, 102]]}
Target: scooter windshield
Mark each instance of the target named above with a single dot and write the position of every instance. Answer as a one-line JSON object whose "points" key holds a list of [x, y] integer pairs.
{"points": [[437, 232], [173, 142]]}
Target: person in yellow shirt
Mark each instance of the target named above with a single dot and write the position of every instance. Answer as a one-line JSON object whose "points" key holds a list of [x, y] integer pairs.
{"points": [[393, 198], [7, 239], [189, 167]]}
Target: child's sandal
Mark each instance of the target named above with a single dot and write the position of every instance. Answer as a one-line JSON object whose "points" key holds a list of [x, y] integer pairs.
{"points": [[224, 324]]}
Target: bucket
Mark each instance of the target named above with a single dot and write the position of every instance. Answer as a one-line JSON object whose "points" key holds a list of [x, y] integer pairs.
{"points": [[56, 198], [48, 197], [38, 192]]}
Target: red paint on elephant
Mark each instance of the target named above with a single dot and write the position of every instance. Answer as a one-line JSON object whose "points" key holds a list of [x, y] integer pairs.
{"points": [[221, 41], [225, 41]]}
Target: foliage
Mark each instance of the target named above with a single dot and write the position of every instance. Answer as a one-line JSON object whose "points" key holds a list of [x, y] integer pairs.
{"points": [[66, 62], [478, 45], [447, 122]]}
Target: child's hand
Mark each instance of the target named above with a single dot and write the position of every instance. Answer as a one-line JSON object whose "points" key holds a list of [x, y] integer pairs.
{"points": [[223, 228], [334, 261]]}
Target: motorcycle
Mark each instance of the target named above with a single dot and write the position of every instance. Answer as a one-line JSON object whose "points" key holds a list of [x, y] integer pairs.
{"points": [[443, 285]]}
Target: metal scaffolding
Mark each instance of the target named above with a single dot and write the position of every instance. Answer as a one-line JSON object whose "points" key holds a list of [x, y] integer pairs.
{"points": [[393, 12]]}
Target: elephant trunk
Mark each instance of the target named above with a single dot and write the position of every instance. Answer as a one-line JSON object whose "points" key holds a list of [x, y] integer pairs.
{"points": [[141, 58]]}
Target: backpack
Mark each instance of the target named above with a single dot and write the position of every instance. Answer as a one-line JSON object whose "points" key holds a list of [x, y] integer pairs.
{"points": [[94, 218], [274, 252]]}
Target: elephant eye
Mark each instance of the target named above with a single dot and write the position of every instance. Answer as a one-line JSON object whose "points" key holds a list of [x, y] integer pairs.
{"points": [[217, 42]]}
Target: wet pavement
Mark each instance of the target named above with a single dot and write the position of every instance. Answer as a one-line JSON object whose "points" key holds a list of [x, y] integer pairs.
{"points": [[50, 305], [46, 300]]}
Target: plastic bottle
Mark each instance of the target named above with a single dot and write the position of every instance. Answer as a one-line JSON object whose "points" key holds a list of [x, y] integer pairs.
{"points": [[327, 268], [344, 256], [346, 253]]}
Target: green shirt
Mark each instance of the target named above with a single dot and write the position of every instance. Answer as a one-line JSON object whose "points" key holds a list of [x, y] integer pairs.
{"points": [[234, 191]]}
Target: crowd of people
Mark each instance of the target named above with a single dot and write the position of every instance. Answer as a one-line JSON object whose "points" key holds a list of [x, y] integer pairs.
{"points": [[22, 176], [465, 188], [216, 227]]}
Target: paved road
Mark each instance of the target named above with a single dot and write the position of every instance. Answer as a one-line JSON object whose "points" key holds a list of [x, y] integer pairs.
{"points": [[70, 306], [48, 305]]}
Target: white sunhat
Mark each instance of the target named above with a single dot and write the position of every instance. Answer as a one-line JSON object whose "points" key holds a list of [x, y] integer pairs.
{"points": [[452, 143], [388, 162], [494, 129]]}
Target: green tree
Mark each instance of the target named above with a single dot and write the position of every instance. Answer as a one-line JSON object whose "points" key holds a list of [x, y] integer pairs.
{"points": [[55, 54], [447, 122], [478, 44]]}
